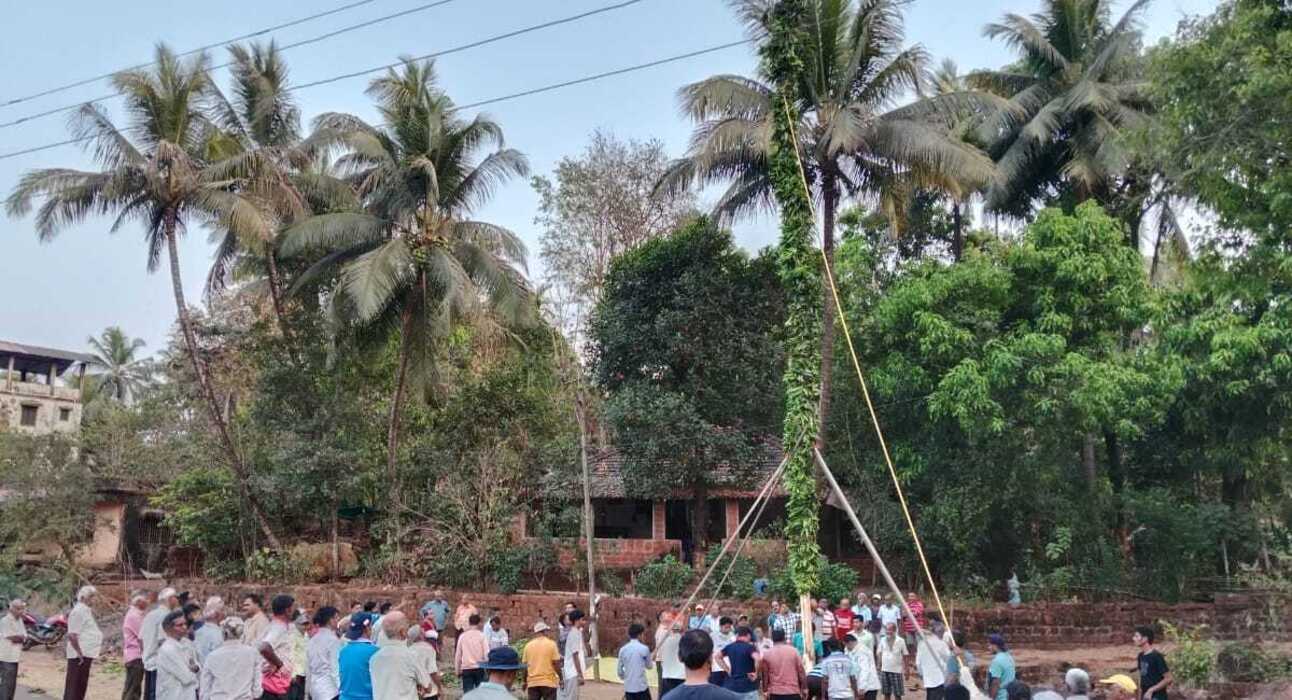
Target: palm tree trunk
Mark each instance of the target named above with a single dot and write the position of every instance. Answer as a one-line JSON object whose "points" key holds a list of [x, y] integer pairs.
{"points": [[392, 432], [170, 223], [830, 201], [957, 233], [276, 296]]}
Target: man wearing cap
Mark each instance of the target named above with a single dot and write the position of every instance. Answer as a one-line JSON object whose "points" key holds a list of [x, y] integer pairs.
{"points": [[543, 660], [501, 665], [355, 657], [1121, 686], [396, 674], [1001, 671], [232, 670], [697, 619], [152, 638]]}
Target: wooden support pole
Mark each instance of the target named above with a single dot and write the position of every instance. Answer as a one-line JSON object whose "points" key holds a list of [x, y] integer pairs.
{"points": [[9, 376], [53, 373]]}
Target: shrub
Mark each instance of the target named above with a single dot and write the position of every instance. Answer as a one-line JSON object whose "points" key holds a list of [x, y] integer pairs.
{"points": [[663, 578], [507, 565], [611, 583], [276, 567], [1193, 658], [1245, 662], [837, 580], [739, 584]]}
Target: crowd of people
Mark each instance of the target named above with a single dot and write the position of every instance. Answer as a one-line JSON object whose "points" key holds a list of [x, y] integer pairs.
{"points": [[176, 649]]}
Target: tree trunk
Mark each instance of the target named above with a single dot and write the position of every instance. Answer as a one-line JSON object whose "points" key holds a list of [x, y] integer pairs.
{"points": [[1116, 475], [1088, 465], [276, 296], [830, 201], [957, 233], [336, 542], [699, 519], [1157, 258], [392, 432], [170, 223]]}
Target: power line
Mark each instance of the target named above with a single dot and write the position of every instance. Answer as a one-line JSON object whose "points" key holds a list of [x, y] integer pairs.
{"points": [[285, 47], [492, 100], [199, 49]]}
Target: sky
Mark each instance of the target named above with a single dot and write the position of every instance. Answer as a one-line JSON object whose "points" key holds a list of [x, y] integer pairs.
{"points": [[58, 293]]}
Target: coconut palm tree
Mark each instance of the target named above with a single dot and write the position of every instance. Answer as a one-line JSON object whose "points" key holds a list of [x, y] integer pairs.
{"points": [[117, 372], [1075, 88], [854, 138], [411, 259], [158, 172]]}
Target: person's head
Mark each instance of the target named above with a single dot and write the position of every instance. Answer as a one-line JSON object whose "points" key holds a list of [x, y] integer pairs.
{"points": [[635, 630], [191, 612], [823, 604], [231, 627], [996, 642], [252, 604], [1144, 636], [414, 634], [958, 637], [742, 620], [175, 625], [858, 624], [356, 606], [395, 624], [695, 649], [360, 626], [577, 619], [370, 606], [324, 616], [744, 633], [570, 606], [139, 600], [473, 621], [831, 646], [912, 596], [1121, 686], [725, 624], [937, 627], [778, 636], [1077, 681], [437, 594], [495, 622], [890, 629], [845, 603], [564, 619], [785, 608], [699, 610], [876, 599], [502, 665], [384, 608], [213, 611], [17, 607], [542, 629], [87, 594], [283, 606], [850, 642], [1018, 690]]}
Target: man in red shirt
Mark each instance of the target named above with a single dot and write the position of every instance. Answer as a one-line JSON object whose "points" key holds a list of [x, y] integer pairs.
{"points": [[780, 671], [843, 619], [917, 609]]}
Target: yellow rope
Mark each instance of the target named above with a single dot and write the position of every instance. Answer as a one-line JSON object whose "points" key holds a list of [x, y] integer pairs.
{"points": [[861, 378]]}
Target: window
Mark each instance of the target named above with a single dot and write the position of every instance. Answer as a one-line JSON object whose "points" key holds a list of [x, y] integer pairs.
{"points": [[29, 415], [64, 414], [619, 518]]}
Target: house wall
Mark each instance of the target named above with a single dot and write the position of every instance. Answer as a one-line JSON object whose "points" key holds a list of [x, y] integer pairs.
{"points": [[14, 395], [102, 551]]}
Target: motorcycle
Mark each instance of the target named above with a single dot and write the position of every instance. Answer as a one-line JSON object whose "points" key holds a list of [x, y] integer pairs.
{"points": [[47, 632]]}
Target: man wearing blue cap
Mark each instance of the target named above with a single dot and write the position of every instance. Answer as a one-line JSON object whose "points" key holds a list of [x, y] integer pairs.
{"points": [[501, 665], [355, 659]]}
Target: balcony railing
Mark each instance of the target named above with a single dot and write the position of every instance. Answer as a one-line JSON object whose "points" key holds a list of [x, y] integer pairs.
{"points": [[65, 393]]}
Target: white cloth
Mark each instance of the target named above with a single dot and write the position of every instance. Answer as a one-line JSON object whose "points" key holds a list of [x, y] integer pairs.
{"points": [[207, 639], [254, 628], [81, 623], [279, 638], [426, 659], [892, 652], [176, 679], [573, 645], [670, 664], [496, 638], [931, 656], [396, 675], [720, 642], [889, 614], [324, 670], [11, 627], [151, 635], [232, 672], [864, 656]]}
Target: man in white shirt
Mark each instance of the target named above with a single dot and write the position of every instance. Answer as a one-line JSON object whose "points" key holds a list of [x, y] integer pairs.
{"points": [[495, 635], [84, 643], [13, 632], [275, 648], [892, 662], [931, 654], [232, 670], [672, 672], [396, 675], [722, 636], [575, 659], [323, 672], [176, 668], [210, 635], [425, 655], [152, 638], [889, 612]]}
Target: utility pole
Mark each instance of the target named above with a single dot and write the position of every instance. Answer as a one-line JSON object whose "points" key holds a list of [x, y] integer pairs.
{"points": [[581, 415]]}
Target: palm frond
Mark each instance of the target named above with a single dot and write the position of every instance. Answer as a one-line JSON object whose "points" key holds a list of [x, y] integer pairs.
{"points": [[332, 232]]}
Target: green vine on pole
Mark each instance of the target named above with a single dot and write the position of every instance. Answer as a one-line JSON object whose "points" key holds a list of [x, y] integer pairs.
{"points": [[801, 277]]}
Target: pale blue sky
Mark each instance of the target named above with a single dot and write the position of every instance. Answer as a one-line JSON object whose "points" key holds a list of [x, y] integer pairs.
{"points": [[56, 294]]}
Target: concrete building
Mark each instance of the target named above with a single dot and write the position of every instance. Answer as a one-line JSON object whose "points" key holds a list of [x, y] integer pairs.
{"points": [[40, 389]]}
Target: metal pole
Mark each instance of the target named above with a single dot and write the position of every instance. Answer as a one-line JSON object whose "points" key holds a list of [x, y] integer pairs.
{"points": [[588, 531]]}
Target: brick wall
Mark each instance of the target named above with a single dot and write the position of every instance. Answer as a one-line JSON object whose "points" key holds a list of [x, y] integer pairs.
{"points": [[617, 554]]}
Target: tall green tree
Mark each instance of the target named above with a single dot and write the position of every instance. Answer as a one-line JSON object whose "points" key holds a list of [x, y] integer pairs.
{"points": [[158, 172], [689, 384], [116, 370], [1074, 91], [853, 139], [411, 260]]}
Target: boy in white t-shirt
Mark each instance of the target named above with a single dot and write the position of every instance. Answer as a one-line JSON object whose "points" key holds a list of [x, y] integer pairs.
{"points": [[838, 673]]}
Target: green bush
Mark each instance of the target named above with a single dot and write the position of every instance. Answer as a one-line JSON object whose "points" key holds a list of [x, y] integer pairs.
{"points": [[1193, 658], [1245, 662], [275, 567], [507, 566], [739, 584], [663, 578], [836, 581], [611, 583]]}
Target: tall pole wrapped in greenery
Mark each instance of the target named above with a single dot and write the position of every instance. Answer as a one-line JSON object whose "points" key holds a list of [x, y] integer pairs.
{"points": [[800, 273]]}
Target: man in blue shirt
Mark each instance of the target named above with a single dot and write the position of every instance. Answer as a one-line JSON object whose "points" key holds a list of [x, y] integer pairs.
{"points": [[1001, 671], [741, 656], [439, 608], [634, 660], [356, 679]]}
